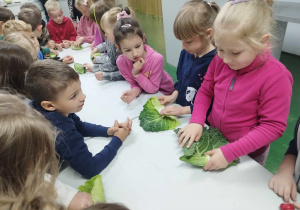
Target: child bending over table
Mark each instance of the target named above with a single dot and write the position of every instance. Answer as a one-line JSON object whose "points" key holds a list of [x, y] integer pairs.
{"points": [[56, 90]]}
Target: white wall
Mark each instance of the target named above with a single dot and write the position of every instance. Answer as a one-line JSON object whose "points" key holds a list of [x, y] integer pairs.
{"points": [[123, 2], [173, 46]]}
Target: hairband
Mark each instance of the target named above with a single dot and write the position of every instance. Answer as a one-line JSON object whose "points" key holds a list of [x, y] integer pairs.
{"points": [[238, 1], [126, 25], [122, 14]]}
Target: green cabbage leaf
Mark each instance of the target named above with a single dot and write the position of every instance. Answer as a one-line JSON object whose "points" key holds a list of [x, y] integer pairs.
{"points": [[73, 47], [94, 55], [211, 139], [94, 187], [52, 55], [151, 120], [79, 68]]}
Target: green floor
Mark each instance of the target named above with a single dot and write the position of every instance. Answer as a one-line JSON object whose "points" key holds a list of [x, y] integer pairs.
{"points": [[153, 28]]}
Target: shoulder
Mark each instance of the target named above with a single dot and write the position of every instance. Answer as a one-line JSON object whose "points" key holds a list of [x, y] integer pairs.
{"points": [[122, 59], [275, 69], [153, 54]]}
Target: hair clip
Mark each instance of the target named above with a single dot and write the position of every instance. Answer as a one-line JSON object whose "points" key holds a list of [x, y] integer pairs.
{"points": [[122, 14], [238, 1], [126, 25]]}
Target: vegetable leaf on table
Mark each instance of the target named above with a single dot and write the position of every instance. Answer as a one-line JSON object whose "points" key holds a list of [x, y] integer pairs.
{"points": [[94, 187]]}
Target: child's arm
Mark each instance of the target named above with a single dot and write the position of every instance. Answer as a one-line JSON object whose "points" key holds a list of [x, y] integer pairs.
{"points": [[53, 35], [165, 100], [72, 30], [175, 110]]}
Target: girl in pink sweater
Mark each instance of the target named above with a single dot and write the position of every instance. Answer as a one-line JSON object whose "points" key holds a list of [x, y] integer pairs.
{"points": [[251, 90], [140, 65]]}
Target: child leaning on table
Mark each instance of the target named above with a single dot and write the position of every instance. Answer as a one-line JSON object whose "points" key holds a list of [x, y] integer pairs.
{"points": [[61, 28], [286, 181], [5, 15], [193, 26], [56, 90], [105, 66], [140, 65], [250, 89], [29, 166]]}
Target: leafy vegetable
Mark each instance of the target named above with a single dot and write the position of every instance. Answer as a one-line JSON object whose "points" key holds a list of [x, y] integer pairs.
{"points": [[52, 55], [94, 187], [151, 120], [211, 139], [79, 68], [76, 48], [94, 55]]}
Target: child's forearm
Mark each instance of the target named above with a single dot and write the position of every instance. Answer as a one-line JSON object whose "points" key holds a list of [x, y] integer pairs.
{"points": [[288, 165]]}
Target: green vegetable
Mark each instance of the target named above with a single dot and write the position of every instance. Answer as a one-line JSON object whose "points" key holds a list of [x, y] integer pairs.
{"points": [[211, 139], [52, 55], [94, 55], [151, 120], [94, 187], [76, 48], [79, 68]]}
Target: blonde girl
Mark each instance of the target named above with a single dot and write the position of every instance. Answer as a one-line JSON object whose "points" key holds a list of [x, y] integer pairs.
{"points": [[140, 65], [193, 26], [250, 89]]}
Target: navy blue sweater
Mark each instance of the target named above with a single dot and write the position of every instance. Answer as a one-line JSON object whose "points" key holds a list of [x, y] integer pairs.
{"points": [[70, 143], [190, 73]]}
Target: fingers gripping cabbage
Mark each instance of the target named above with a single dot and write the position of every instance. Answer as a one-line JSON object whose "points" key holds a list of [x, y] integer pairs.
{"points": [[94, 187]]}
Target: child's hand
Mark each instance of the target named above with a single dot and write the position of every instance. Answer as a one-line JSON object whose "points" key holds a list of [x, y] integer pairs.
{"points": [[113, 129], [175, 110], [51, 44], [122, 133], [165, 100], [78, 41], [81, 200], [94, 60], [94, 50], [284, 185], [137, 66], [297, 205], [126, 125], [217, 160], [59, 46], [99, 75], [192, 132], [68, 59], [92, 46], [88, 67], [66, 44], [128, 95], [54, 51]]}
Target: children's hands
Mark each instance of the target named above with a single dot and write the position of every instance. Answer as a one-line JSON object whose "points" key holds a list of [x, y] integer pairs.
{"points": [[66, 44], [128, 95], [137, 66], [217, 160], [94, 50], [81, 200], [175, 110], [59, 46], [88, 67], [54, 51], [284, 185], [99, 75], [192, 132], [297, 205], [126, 125], [113, 129], [68, 59], [121, 130], [51, 44], [165, 100], [78, 41], [92, 45]]}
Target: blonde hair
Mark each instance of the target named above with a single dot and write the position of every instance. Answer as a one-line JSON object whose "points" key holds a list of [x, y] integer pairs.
{"points": [[86, 3], [22, 41], [27, 150], [194, 18], [52, 5], [244, 22], [110, 17], [12, 26]]}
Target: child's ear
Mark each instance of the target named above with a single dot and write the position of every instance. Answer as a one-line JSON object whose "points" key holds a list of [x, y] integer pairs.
{"points": [[48, 105], [40, 27], [118, 48], [208, 33], [144, 38], [265, 39]]}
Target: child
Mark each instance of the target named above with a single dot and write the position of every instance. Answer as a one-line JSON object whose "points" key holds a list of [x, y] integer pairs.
{"points": [[193, 26], [56, 90], [286, 181], [60, 28], [28, 159], [105, 65], [5, 15], [15, 61], [250, 89], [85, 27], [139, 64]]}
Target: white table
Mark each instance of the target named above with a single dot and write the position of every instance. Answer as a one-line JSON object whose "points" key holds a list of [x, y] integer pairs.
{"points": [[147, 174]]}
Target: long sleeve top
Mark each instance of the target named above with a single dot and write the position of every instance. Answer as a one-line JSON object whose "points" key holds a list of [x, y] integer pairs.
{"points": [[70, 143], [63, 31], [99, 38], [152, 77], [190, 74], [85, 28], [250, 105]]}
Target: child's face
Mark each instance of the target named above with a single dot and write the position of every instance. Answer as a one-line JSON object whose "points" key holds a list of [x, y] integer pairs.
{"points": [[57, 16], [109, 33], [71, 100], [84, 11], [235, 54], [133, 48], [38, 31], [194, 45]]}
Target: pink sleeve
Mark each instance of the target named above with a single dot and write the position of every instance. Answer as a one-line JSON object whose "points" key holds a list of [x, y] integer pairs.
{"points": [[81, 32], [52, 33], [152, 84], [125, 70], [204, 95], [273, 111]]}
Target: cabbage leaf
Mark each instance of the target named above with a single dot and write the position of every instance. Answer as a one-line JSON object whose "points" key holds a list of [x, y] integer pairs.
{"points": [[94, 187], [79, 68], [151, 120], [73, 47], [94, 55], [211, 139]]}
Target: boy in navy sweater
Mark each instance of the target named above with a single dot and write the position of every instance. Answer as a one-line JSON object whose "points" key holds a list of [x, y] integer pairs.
{"points": [[56, 90]]}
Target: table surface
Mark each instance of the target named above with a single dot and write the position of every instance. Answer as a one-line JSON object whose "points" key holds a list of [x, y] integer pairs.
{"points": [[147, 173]]}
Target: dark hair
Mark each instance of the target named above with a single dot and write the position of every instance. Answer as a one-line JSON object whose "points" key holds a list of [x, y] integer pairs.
{"points": [[31, 16], [15, 61], [46, 78], [98, 9], [126, 27], [6, 14], [107, 206]]}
